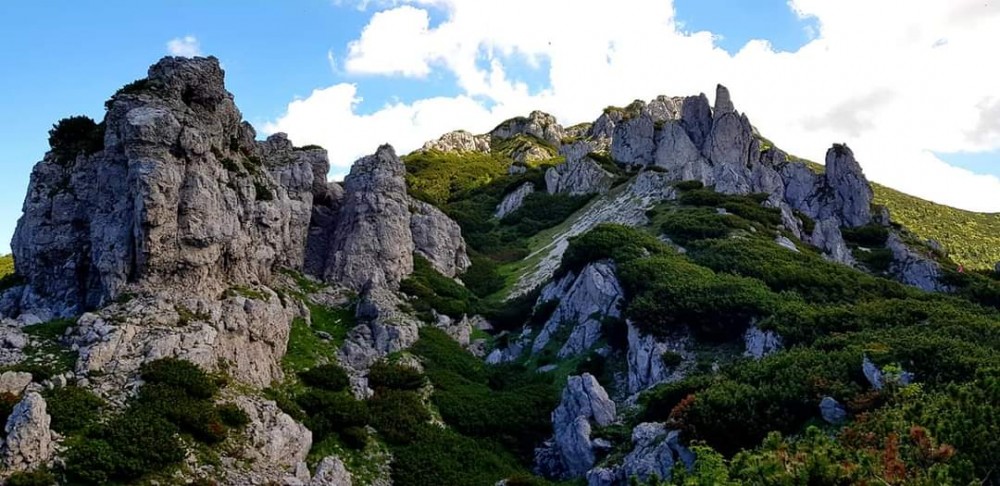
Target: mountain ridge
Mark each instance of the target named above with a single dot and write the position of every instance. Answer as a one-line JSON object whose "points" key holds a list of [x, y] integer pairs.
{"points": [[661, 294]]}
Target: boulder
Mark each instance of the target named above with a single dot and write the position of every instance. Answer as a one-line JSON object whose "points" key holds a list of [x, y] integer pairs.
{"points": [[273, 438], [14, 382], [758, 343], [827, 237], [513, 200], [832, 411], [29, 443], [912, 268], [570, 453], [645, 359]]}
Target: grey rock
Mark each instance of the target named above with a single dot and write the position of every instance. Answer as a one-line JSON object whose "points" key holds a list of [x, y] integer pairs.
{"points": [[682, 159], [656, 450], [696, 118], [513, 200], [912, 268], [827, 237], [633, 142], [595, 294], [29, 443], [784, 242], [459, 141], [373, 242], [645, 360], [570, 454], [382, 329], [527, 154], [537, 124], [331, 472], [758, 343], [577, 178], [853, 195], [872, 373], [14, 382], [273, 438], [181, 195], [832, 411], [601, 476], [438, 239]]}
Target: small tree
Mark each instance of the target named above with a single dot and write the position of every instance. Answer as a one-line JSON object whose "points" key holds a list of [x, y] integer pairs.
{"points": [[75, 135]]}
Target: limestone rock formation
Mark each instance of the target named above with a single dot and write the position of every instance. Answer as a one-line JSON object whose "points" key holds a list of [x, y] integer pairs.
{"points": [[570, 453], [438, 239], [513, 200], [633, 142], [655, 451], [758, 343], [459, 141], [14, 382], [181, 194], [537, 124], [827, 237], [594, 295], [29, 443], [331, 472], [578, 177], [373, 242], [274, 438], [382, 329], [912, 268], [646, 367]]}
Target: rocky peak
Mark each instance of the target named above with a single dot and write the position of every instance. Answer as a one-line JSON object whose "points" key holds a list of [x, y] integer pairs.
{"points": [[182, 196], [852, 192], [723, 101], [459, 141], [538, 124]]}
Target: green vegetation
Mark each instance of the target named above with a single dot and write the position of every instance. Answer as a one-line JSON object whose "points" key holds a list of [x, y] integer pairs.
{"points": [[830, 317], [74, 136], [6, 265], [38, 477], [307, 345], [174, 407], [48, 356], [435, 291], [73, 409]]}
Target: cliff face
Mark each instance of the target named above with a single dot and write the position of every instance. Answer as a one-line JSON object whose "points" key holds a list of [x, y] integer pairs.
{"points": [[181, 195]]}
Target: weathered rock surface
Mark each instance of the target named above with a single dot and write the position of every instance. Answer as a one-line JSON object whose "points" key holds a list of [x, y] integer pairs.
{"points": [[645, 359], [331, 472], [912, 268], [832, 411], [570, 453], [578, 177], [633, 142], [373, 242], [273, 438], [827, 237], [513, 200], [382, 329], [595, 294], [14, 382], [248, 336], [537, 124], [181, 195], [656, 451], [758, 343], [459, 141], [438, 239], [29, 443]]}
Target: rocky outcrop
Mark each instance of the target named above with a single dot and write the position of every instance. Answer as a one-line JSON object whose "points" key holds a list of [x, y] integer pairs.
{"points": [[181, 195], [878, 379], [247, 336], [438, 239], [633, 142], [331, 472], [513, 200], [578, 177], [646, 367], [596, 294], [537, 124], [656, 451], [29, 443], [273, 438], [327, 201], [827, 237], [758, 343], [382, 329], [459, 141], [912, 268], [570, 453], [373, 242]]}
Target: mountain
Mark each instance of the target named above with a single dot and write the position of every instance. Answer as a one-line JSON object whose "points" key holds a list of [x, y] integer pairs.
{"points": [[660, 296]]}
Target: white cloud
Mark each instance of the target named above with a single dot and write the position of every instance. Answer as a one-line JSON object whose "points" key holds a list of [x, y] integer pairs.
{"points": [[896, 79], [187, 46]]}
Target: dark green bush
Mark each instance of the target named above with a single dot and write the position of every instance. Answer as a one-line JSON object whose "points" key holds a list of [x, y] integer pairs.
{"points": [[689, 185], [263, 193], [329, 412], [685, 226], [75, 135], [870, 235], [72, 409], [354, 437], [671, 359], [394, 376], [329, 377], [180, 374], [38, 477], [398, 415], [128, 447], [435, 291], [232, 415]]}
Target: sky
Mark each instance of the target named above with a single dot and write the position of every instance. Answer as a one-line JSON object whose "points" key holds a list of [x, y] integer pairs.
{"points": [[910, 85]]}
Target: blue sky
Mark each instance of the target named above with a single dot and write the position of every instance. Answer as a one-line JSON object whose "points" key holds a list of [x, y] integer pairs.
{"points": [[66, 58]]}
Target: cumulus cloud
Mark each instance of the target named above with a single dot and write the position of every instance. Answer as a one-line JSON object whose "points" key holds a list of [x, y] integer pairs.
{"points": [[187, 46], [898, 80]]}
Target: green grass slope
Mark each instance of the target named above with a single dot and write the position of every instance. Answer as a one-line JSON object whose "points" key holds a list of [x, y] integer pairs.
{"points": [[972, 239], [6, 265]]}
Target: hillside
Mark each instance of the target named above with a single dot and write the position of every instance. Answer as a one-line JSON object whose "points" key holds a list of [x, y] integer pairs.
{"points": [[658, 297], [6, 265], [972, 239]]}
